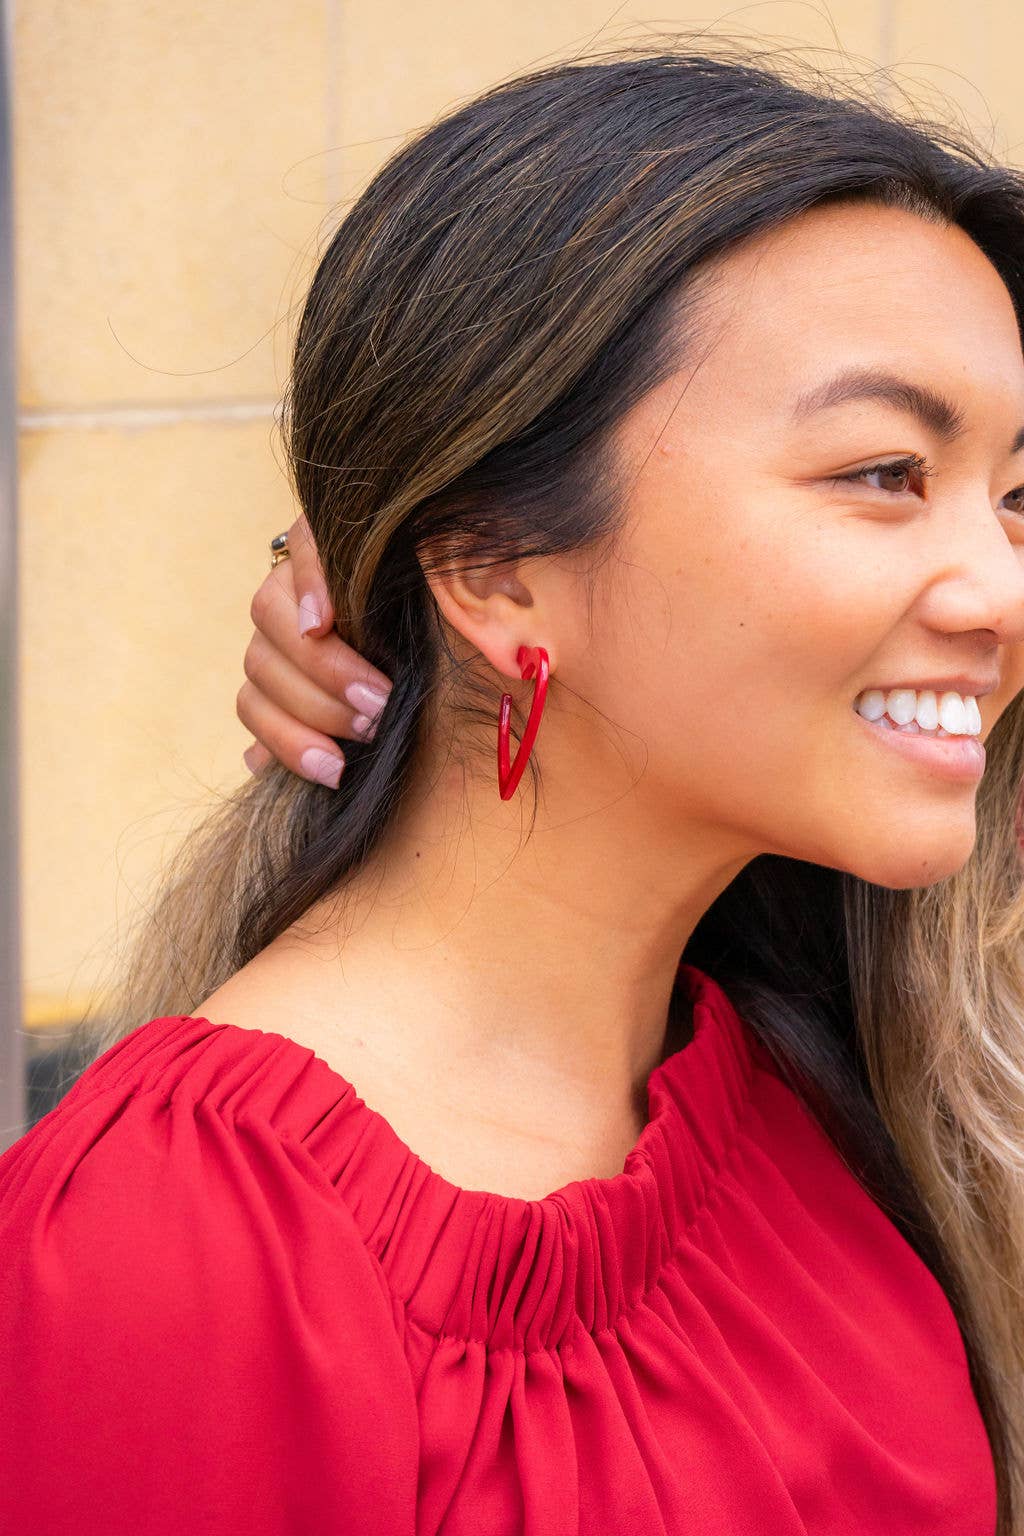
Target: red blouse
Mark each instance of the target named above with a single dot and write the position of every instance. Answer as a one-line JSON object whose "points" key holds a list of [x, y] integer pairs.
{"points": [[232, 1301]]}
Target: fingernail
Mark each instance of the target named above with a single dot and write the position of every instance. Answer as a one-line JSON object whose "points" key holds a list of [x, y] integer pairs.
{"points": [[363, 726], [309, 613], [322, 766], [248, 761], [369, 700]]}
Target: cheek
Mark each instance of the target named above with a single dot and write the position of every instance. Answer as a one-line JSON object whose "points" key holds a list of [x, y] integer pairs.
{"points": [[750, 609], [800, 624], [1011, 670]]}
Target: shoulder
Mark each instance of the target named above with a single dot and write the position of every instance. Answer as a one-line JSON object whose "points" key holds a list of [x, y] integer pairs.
{"points": [[180, 1278], [184, 1141]]}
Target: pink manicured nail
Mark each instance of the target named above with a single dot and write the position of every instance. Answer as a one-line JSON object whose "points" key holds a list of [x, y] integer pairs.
{"points": [[309, 613], [364, 727], [322, 766], [246, 760], [367, 700]]}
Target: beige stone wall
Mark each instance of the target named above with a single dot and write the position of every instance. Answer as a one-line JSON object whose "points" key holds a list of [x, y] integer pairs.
{"points": [[174, 164]]}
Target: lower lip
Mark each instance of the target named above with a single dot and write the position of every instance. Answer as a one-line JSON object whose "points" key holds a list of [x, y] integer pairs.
{"points": [[959, 758]]}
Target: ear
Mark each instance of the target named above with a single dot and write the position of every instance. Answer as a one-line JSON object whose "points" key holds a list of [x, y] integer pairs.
{"points": [[494, 608]]}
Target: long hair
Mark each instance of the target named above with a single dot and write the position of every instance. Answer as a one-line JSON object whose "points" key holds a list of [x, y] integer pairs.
{"points": [[508, 285]]}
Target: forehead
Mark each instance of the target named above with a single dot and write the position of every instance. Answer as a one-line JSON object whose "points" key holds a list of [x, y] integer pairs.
{"points": [[858, 283]]}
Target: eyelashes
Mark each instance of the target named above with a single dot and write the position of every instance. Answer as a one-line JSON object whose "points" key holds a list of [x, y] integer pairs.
{"points": [[910, 463]]}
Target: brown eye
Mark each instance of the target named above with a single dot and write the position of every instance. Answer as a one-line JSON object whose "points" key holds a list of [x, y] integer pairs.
{"points": [[910, 466], [891, 472], [1019, 493]]}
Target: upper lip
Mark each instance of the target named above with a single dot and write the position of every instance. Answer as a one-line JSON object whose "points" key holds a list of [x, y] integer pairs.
{"points": [[960, 683]]}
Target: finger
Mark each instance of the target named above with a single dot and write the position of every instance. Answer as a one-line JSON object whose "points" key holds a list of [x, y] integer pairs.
{"points": [[295, 692], [307, 753], [330, 663], [256, 756], [315, 614]]}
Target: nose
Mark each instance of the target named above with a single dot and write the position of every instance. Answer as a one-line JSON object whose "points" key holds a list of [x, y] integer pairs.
{"points": [[983, 576]]}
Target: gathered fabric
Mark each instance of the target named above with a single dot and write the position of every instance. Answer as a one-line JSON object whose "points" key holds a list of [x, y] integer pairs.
{"points": [[233, 1300]]}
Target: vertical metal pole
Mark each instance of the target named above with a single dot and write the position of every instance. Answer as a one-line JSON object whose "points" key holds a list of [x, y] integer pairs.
{"points": [[13, 1096]]}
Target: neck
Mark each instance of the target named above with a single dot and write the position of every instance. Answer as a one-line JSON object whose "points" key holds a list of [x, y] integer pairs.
{"points": [[545, 958]]}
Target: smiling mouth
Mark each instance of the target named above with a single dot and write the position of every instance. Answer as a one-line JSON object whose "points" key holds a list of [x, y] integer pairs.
{"points": [[923, 711], [942, 755]]}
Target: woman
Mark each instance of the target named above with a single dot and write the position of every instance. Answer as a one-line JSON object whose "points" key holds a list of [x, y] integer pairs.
{"points": [[692, 395]]}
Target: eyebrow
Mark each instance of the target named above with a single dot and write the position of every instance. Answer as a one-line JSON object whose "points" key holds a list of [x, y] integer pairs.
{"points": [[934, 410]]}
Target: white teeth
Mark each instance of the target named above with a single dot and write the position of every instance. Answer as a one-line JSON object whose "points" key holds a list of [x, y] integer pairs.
{"points": [[927, 711], [951, 714], [909, 710], [872, 704], [900, 705]]}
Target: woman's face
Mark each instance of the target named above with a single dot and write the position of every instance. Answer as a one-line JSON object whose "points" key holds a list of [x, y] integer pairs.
{"points": [[759, 590]]}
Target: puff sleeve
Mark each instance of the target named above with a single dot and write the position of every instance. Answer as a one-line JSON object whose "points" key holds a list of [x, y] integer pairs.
{"points": [[193, 1336]]}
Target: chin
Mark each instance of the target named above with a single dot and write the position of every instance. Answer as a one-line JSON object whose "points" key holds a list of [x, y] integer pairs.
{"points": [[918, 862]]}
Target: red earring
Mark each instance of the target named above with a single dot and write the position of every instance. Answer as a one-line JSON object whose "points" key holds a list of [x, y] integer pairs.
{"points": [[531, 659]]}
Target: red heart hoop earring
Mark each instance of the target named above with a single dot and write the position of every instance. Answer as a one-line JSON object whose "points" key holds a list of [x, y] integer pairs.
{"points": [[531, 659]]}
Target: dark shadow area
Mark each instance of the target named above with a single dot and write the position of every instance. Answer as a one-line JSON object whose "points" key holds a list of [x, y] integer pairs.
{"points": [[51, 1069]]}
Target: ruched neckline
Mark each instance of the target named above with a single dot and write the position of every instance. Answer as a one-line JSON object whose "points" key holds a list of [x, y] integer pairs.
{"points": [[473, 1264], [727, 1335]]}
